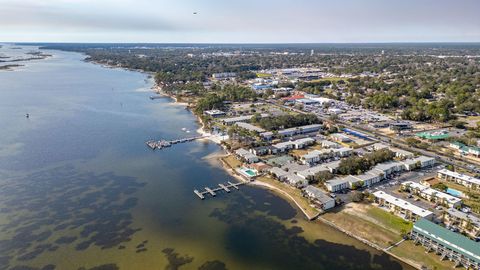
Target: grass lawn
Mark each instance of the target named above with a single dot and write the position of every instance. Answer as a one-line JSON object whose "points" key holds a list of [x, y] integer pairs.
{"points": [[417, 255], [232, 162], [389, 220], [294, 192], [298, 152], [362, 224]]}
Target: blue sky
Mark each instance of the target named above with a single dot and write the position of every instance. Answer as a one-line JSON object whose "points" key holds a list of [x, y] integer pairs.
{"points": [[245, 21]]}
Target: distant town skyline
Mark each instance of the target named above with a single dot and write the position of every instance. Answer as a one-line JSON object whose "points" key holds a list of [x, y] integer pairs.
{"points": [[247, 21]]}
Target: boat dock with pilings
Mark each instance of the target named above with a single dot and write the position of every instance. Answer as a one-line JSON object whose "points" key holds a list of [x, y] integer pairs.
{"points": [[164, 143], [221, 187]]}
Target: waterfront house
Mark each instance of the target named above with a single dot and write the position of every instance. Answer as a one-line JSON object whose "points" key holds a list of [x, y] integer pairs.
{"points": [[279, 173], [295, 180], [319, 198], [447, 244], [246, 156], [259, 166]]}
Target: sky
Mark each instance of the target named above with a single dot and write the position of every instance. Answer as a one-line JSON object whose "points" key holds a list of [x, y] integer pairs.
{"points": [[245, 21]]}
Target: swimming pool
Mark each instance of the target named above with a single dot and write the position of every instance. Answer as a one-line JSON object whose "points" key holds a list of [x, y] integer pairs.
{"points": [[454, 192], [250, 172]]}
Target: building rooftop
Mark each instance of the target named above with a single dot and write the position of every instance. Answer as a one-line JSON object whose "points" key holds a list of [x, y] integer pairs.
{"points": [[402, 204], [432, 192], [463, 177], [455, 241], [318, 194], [312, 171], [304, 140], [241, 118], [337, 181], [387, 165], [278, 171], [250, 127], [461, 215]]}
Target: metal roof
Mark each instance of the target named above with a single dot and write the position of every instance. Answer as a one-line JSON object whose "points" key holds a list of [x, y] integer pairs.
{"points": [[452, 240]]}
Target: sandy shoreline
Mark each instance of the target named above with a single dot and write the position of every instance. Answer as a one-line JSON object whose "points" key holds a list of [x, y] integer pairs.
{"points": [[156, 88], [218, 157]]}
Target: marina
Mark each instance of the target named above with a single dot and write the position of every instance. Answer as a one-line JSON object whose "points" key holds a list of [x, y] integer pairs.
{"points": [[221, 187], [153, 144]]}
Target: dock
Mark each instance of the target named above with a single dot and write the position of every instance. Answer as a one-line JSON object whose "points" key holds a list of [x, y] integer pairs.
{"points": [[160, 144], [221, 187]]}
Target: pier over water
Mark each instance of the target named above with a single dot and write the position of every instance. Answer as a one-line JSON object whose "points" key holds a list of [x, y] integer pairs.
{"points": [[221, 187], [164, 143]]}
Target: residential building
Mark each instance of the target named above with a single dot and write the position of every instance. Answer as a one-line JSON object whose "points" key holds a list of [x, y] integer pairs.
{"points": [[319, 198], [399, 207], [293, 131], [283, 146], [338, 137], [260, 166], [333, 166], [418, 162], [431, 194], [337, 184], [244, 118], [263, 150], [389, 168], [464, 149], [465, 222], [462, 179], [250, 127], [399, 126], [214, 113], [449, 245], [399, 153], [370, 177], [310, 172], [342, 151], [329, 144], [246, 155], [295, 180], [302, 143], [316, 156], [279, 173]]}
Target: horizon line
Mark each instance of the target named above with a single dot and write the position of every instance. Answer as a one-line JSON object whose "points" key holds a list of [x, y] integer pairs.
{"points": [[241, 43]]}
